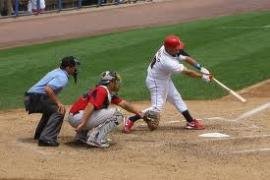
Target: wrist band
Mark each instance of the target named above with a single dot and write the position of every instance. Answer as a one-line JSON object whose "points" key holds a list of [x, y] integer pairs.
{"points": [[198, 66]]}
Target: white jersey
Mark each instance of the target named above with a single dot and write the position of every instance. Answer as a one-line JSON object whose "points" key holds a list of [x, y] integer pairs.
{"points": [[164, 65]]}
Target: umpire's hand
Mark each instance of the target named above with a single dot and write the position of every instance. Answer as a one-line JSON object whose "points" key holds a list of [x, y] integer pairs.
{"points": [[61, 108]]}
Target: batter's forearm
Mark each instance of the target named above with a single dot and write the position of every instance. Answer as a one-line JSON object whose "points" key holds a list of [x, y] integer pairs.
{"points": [[192, 73], [193, 63]]}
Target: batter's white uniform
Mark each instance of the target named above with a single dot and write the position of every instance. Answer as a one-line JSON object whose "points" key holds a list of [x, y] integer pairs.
{"points": [[159, 81]]}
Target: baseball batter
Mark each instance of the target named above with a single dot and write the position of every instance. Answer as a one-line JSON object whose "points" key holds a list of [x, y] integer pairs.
{"points": [[167, 61]]}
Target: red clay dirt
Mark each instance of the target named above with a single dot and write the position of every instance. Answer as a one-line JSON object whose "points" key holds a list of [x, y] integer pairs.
{"points": [[170, 152]]}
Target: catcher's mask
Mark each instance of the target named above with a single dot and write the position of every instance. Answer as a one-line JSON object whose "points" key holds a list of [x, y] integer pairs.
{"points": [[111, 76], [70, 61]]}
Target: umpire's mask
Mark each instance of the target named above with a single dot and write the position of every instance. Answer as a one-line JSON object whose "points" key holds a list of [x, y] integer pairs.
{"points": [[70, 61]]}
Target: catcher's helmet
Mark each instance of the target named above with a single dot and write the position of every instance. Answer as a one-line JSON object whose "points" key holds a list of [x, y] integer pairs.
{"points": [[108, 76], [173, 42]]}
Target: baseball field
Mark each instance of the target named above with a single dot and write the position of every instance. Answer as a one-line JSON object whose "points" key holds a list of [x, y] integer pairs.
{"points": [[233, 44]]}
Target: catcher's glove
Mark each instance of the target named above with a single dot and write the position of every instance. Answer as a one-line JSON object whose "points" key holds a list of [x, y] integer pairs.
{"points": [[152, 119]]}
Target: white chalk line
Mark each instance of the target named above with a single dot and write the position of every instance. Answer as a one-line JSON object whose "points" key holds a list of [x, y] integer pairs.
{"points": [[216, 118], [241, 137], [253, 112], [244, 115], [250, 151], [241, 117]]}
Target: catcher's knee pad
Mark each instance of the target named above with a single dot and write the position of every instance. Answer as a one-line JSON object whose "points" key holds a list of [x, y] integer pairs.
{"points": [[152, 119]]}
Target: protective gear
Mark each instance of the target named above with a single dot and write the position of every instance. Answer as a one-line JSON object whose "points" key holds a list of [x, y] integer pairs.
{"points": [[196, 124], [152, 119], [108, 76], [111, 76], [173, 42], [204, 70], [98, 136], [75, 75], [206, 77]]}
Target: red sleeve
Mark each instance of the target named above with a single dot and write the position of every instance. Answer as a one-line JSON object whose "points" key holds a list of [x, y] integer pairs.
{"points": [[98, 97], [116, 100]]}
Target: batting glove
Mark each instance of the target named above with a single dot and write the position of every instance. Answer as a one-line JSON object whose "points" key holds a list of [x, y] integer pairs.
{"points": [[204, 71], [207, 78]]}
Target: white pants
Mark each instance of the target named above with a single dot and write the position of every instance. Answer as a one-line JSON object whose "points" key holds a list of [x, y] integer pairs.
{"points": [[32, 5], [161, 91], [98, 117]]}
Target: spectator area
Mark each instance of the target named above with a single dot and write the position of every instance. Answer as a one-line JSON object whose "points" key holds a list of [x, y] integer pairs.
{"points": [[21, 9]]}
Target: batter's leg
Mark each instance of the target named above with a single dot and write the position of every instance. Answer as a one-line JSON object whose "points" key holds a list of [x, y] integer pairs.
{"points": [[175, 99], [158, 91]]}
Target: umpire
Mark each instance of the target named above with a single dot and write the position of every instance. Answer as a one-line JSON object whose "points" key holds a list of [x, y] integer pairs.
{"points": [[42, 98]]}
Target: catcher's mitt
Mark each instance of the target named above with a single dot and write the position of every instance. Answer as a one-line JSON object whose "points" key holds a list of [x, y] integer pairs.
{"points": [[152, 119]]}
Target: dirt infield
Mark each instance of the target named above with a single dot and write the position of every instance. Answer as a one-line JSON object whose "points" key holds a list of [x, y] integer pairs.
{"points": [[170, 152]]}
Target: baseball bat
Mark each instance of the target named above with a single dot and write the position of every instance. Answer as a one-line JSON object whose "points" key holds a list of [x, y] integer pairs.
{"points": [[230, 91]]}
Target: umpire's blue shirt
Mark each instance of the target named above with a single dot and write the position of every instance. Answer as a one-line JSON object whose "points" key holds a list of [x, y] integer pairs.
{"points": [[56, 79]]}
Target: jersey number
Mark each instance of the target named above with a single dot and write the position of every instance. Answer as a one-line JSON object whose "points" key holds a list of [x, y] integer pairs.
{"points": [[153, 62]]}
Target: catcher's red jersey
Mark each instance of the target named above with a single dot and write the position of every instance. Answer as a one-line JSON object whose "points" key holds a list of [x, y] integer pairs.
{"points": [[99, 97]]}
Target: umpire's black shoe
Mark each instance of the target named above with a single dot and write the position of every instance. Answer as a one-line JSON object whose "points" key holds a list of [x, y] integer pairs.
{"points": [[48, 143]]}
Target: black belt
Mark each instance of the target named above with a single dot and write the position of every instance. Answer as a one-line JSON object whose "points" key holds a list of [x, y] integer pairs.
{"points": [[34, 94]]}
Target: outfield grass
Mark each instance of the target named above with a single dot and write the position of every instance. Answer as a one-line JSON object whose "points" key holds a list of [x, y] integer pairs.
{"points": [[235, 48]]}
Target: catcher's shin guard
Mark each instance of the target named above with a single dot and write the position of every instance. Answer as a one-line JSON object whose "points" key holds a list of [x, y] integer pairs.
{"points": [[98, 136]]}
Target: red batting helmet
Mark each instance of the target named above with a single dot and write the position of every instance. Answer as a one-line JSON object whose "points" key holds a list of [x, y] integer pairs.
{"points": [[173, 42]]}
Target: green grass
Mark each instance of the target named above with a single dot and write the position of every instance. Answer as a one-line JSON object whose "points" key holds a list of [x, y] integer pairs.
{"points": [[235, 48]]}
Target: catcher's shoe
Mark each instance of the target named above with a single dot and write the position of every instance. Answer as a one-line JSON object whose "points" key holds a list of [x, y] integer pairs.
{"points": [[93, 141], [102, 144], [196, 124], [127, 125]]}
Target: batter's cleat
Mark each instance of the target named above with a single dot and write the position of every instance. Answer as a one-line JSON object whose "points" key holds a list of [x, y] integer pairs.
{"points": [[196, 124], [127, 125]]}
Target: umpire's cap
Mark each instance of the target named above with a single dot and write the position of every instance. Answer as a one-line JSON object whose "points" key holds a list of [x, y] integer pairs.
{"points": [[173, 42], [69, 61], [108, 76]]}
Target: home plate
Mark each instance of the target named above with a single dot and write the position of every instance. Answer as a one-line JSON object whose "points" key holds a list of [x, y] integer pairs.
{"points": [[214, 135]]}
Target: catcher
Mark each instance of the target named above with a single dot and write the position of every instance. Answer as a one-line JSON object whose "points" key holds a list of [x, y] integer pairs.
{"points": [[167, 61], [91, 115]]}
